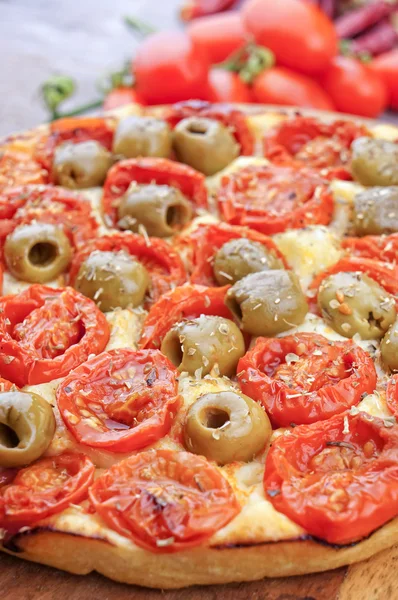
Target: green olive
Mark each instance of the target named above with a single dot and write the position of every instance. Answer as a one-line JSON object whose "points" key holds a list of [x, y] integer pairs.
{"points": [[27, 426], [161, 209], [113, 279], [389, 347], [204, 144], [355, 303], [226, 426], [142, 136], [37, 252], [375, 161], [203, 343], [81, 165], [376, 211], [268, 302], [240, 257]]}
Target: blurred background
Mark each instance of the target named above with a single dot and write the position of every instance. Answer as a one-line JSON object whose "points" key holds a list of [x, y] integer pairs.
{"points": [[82, 42]]}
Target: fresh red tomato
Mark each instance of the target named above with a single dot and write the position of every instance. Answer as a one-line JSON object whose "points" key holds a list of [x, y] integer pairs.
{"points": [[19, 168], [164, 500], [161, 171], [383, 248], [229, 115], [386, 67], [168, 67], [282, 198], [46, 487], [308, 142], [207, 239], [300, 35], [219, 35], [184, 302], [46, 332], [225, 86], [163, 264], [354, 87], [303, 378], [336, 478], [130, 399], [279, 85], [121, 96]]}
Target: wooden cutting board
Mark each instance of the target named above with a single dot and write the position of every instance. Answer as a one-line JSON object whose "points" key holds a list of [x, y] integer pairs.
{"points": [[374, 579]]}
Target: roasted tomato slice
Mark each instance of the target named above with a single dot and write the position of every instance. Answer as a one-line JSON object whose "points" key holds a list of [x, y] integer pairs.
{"points": [[303, 378], [158, 257], [47, 332], [228, 114], [384, 274], [392, 395], [271, 199], [378, 247], [307, 142], [18, 168], [74, 130], [184, 302], [48, 204], [164, 500], [204, 242], [46, 487], [336, 478], [120, 400], [6, 385]]}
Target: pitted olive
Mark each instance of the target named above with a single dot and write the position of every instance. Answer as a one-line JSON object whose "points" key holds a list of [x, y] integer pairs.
{"points": [[376, 211], [27, 426], [204, 144], [37, 252], [354, 303], [268, 302], [389, 347], [142, 136], [203, 343], [81, 165], [375, 161], [112, 279], [161, 209], [226, 426], [240, 257]]}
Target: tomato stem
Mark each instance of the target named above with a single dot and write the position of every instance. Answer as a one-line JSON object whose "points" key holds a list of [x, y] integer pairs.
{"points": [[139, 26], [249, 61], [77, 111]]}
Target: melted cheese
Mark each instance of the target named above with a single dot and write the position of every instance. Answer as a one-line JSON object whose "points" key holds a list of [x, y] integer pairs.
{"points": [[214, 182], [344, 193], [385, 131], [15, 286]]}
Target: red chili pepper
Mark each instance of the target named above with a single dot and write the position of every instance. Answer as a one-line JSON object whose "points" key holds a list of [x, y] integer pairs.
{"points": [[191, 9], [356, 21]]}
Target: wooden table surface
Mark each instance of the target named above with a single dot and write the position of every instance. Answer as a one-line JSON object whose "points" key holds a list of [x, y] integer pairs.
{"points": [[85, 38]]}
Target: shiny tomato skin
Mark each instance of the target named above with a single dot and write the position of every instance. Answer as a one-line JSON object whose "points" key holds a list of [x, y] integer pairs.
{"points": [[354, 87], [168, 67], [44, 488], [219, 35], [280, 85], [336, 478], [225, 86], [320, 384], [121, 96], [299, 34], [195, 499], [386, 67]]}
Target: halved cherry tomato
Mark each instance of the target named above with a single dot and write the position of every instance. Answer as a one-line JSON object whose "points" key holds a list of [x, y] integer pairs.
{"points": [[161, 171], [47, 332], [121, 96], [228, 114], [386, 67], [162, 262], [385, 274], [184, 302], [300, 35], [164, 500], [46, 487], [336, 478], [354, 88], [308, 142], [207, 239], [279, 85], [225, 86], [271, 199], [74, 130], [120, 400], [169, 67], [303, 378], [19, 168], [379, 247], [218, 35]]}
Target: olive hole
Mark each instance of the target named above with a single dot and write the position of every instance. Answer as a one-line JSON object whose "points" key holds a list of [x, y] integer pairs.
{"points": [[215, 418], [373, 322], [235, 308], [43, 254], [174, 215], [197, 128], [174, 352], [8, 437]]}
